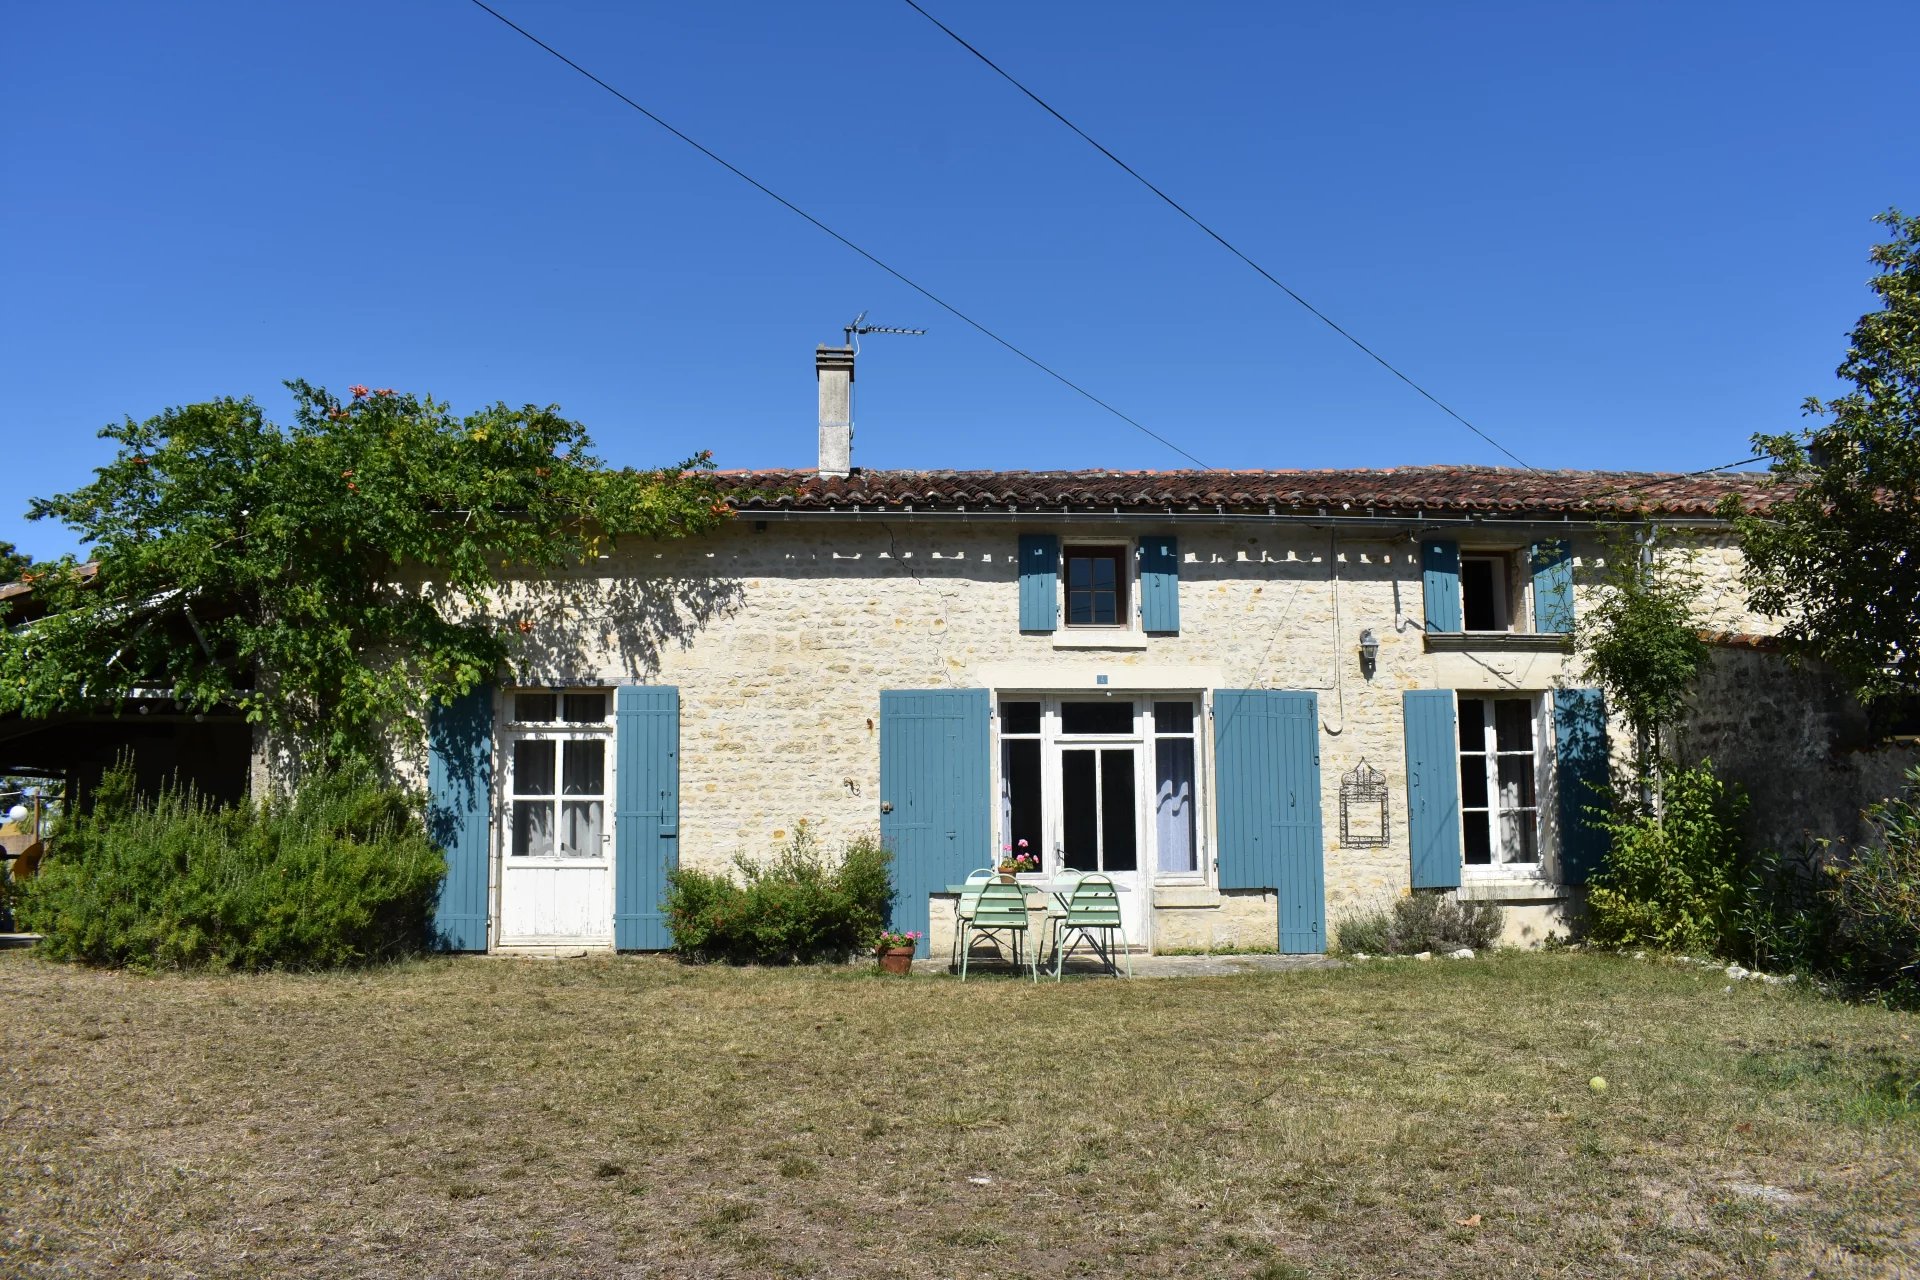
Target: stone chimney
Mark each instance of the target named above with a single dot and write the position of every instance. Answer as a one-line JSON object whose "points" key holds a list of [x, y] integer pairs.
{"points": [[833, 367]]}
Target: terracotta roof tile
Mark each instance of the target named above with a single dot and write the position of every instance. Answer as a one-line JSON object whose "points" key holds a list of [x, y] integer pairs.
{"points": [[1398, 490]]}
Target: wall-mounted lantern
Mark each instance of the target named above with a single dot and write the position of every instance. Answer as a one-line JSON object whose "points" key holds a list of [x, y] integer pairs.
{"points": [[1369, 652]]}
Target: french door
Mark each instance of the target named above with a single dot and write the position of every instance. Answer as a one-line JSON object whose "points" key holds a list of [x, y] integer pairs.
{"points": [[1103, 784]]}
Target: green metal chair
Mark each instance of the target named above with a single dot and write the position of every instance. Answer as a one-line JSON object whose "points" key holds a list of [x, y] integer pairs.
{"points": [[1092, 916], [963, 906], [1056, 909], [999, 914]]}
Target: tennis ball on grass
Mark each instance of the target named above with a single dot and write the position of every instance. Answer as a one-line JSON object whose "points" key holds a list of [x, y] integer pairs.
{"points": [[1598, 1084]]}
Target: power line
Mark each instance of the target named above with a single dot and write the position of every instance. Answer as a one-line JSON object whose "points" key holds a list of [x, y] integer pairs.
{"points": [[1652, 481], [922, 290], [1226, 244]]}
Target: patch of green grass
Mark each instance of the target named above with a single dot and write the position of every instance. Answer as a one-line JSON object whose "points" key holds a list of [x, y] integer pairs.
{"points": [[636, 1116]]}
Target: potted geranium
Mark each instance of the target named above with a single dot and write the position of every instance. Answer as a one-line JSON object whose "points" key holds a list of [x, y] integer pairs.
{"points": [[896, 949], [1014, 859]]}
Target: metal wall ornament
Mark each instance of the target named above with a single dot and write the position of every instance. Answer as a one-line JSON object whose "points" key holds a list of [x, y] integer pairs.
{"points": [[1363, 808]]}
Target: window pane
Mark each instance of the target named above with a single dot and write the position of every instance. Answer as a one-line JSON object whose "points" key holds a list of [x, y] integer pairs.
{"points": [[1473, 724], [533, 768], [585, 708], [1173, 801], [533, 708], [1020, 794], [580, 828], [1096, 586], [1019, 717], [1473, 782], [532, 828], [1117, 811], [1513, 724], [1516, 782], [1479, 851], [1483, 592], [1079, 826], [1173, 717], [1106, 716], [1476, 595], [1516, 837], [586, 769], [1092, 608]]}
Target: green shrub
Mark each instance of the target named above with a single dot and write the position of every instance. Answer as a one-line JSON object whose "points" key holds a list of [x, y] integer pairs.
{"points": [[1852, 918], [797, 907], [1363, 934], [1428, 921], [341, 873], [1781, 921], [1671, 880], [1421, 921], [1875, 898]]}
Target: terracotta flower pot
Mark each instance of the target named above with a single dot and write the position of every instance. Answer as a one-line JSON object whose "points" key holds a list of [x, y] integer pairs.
{"points": [[896, 960]]}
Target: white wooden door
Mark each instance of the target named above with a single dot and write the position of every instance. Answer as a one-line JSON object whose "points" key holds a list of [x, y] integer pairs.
{"points": [[556, 864]]}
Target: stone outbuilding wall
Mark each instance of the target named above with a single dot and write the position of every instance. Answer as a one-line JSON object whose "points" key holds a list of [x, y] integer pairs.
{"points": [[1795, 739]]}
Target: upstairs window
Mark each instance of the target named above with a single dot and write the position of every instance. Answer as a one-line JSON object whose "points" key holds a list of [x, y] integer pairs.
{"points": [[1487, 591], [1097, 586]]}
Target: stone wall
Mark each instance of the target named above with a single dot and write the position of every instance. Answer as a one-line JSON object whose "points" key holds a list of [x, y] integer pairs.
{"points": [[1794, 737], [781, 634]]}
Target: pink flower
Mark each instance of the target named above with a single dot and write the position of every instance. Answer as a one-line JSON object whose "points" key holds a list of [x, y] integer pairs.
{"points": [[357, 390]]}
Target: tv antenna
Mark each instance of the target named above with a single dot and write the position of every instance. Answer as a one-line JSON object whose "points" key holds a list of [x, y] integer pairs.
{"points": [[860, 326]]}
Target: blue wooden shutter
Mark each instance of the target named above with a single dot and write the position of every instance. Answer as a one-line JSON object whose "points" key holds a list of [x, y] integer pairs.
{"points": [[1440, 577], [1160, 583], [1580, 774], [459, 805], [936, 801], [1267, 797], [1039, 581], [646, 813], [1433, 786], [1552, 563]]}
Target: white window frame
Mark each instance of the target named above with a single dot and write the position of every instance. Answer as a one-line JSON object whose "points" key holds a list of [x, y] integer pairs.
{"points": [[1129, 579], [559, 732], [1514, 586], [1545, 826], [1144, 739]]}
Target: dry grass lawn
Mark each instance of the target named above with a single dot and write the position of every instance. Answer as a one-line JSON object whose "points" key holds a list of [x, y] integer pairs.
{"points": [[478, 1118]]}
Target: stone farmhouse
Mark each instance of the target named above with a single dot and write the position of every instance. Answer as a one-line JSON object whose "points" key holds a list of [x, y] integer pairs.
{"points": [[1258, 700]]}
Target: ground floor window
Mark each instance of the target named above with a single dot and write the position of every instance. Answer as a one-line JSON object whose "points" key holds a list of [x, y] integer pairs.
{"points": [[1174, 759], [1501, 760]]}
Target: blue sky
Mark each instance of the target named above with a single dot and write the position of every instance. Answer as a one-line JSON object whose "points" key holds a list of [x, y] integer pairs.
{"points": [[1609, 234]]}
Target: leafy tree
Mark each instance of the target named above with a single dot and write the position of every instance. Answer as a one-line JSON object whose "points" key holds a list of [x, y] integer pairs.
{"points": [[12, 563], [1838, 556], [1640, 640], [324, 577]]}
